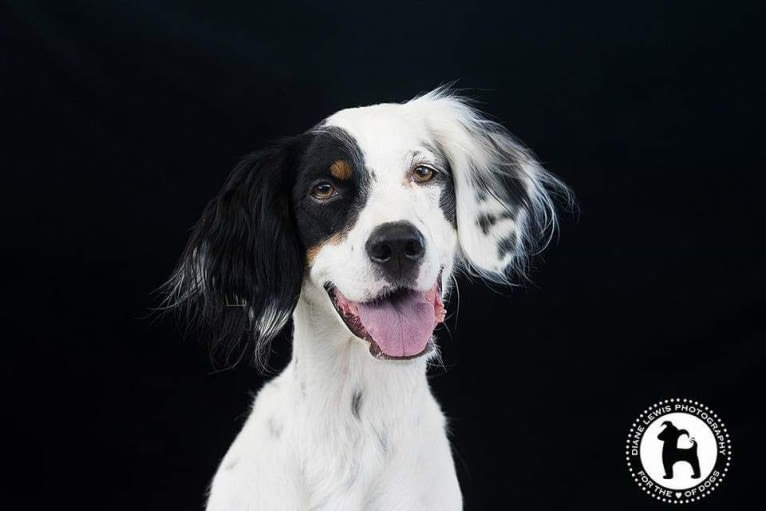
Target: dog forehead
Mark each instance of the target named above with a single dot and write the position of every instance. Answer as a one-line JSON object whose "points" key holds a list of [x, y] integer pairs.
{"points": [[388, 134]]}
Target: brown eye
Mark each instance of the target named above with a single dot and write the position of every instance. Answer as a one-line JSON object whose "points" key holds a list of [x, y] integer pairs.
{"points": [[323, 191], [423, 174]]}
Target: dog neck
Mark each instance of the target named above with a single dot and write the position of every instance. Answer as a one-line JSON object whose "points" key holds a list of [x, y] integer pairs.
{"points": [[338, 375]]}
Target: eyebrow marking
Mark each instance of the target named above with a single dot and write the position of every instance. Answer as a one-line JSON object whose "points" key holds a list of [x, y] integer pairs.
{"points": [[341, 169]]}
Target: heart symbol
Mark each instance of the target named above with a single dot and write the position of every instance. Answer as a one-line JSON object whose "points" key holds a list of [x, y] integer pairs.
{"points": [[678, 494]]}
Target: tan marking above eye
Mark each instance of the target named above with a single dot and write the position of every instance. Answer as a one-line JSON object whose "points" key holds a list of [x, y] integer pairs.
{"points": [[341, 170]]}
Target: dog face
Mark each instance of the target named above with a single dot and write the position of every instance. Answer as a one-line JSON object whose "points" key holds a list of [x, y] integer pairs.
{"points": [[376, 206], [670, 432], [383, 263]]}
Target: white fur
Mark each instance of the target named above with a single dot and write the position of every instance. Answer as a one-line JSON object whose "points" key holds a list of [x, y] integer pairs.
{"points": [[303, 447], [394, 456]]}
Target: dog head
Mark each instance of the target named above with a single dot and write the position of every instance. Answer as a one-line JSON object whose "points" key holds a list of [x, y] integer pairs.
{"points": [[375, 207], [671, 432]]}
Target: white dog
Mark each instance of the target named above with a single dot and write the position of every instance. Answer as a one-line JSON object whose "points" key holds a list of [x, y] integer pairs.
{"points": [[353, 229]]}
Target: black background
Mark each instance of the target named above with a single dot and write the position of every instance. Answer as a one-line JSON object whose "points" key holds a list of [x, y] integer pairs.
{"points": [[122, 119]]}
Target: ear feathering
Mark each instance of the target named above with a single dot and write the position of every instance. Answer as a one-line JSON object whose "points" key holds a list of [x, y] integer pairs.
{"points": [[241, 272], [505, 200]]}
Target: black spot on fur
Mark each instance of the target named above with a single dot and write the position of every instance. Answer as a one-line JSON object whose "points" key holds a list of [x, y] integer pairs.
{"points": [[356, 404], [487, 220], [275, 427], [508, 186], [506, 245], [353, 474], [382, 440]]}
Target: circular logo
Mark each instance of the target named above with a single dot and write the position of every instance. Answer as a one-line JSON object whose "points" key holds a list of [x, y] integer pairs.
{"points": [[678, 451]]}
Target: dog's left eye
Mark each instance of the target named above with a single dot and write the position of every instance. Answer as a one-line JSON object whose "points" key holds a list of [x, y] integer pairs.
{"points": [[423, 174], [323, 191]]}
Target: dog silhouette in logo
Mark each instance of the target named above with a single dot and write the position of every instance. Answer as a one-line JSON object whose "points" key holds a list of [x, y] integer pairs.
{"points": [[672, 454]]}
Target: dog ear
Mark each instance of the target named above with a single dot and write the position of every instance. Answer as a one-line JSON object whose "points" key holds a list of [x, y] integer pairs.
{"points": [[504, 199], [241, 272]]}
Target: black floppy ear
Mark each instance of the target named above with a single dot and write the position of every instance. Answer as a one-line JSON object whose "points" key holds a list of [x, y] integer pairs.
{"points": [[242, 269]]}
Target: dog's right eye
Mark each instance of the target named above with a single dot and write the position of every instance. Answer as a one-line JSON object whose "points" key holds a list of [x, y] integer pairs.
{"points": [[323, 191], [423, 174]]}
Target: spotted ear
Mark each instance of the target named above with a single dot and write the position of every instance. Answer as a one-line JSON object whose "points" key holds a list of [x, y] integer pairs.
{"points": [[241, 272], [505, 200]]}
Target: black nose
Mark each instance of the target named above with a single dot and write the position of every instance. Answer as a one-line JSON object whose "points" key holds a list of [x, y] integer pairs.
{"points": [[397, 247]]}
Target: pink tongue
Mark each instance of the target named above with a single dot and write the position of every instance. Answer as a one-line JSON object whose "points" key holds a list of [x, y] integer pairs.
{"points": [[401, 325]]}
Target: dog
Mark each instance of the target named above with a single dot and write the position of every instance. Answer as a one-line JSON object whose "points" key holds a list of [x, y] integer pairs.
{"points": [[672, 454], [354, 229]]}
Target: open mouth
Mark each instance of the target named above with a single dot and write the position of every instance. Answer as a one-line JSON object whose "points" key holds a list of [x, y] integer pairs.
{"points": [[398, 324]]}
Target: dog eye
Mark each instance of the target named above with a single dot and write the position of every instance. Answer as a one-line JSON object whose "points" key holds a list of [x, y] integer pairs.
{"points": [[323, 191], [423, 174]]}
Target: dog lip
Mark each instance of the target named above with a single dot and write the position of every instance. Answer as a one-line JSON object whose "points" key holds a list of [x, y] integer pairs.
{"points": [[384, 293], [357, 331], [362, 333], [376, 352]]}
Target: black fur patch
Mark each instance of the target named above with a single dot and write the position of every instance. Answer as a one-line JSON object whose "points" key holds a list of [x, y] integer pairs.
{"points": [[356, 403], [506, 245], [447, 199], [382, 440], [275, 428], [241, 272], [486, 220], [319, 221]]}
